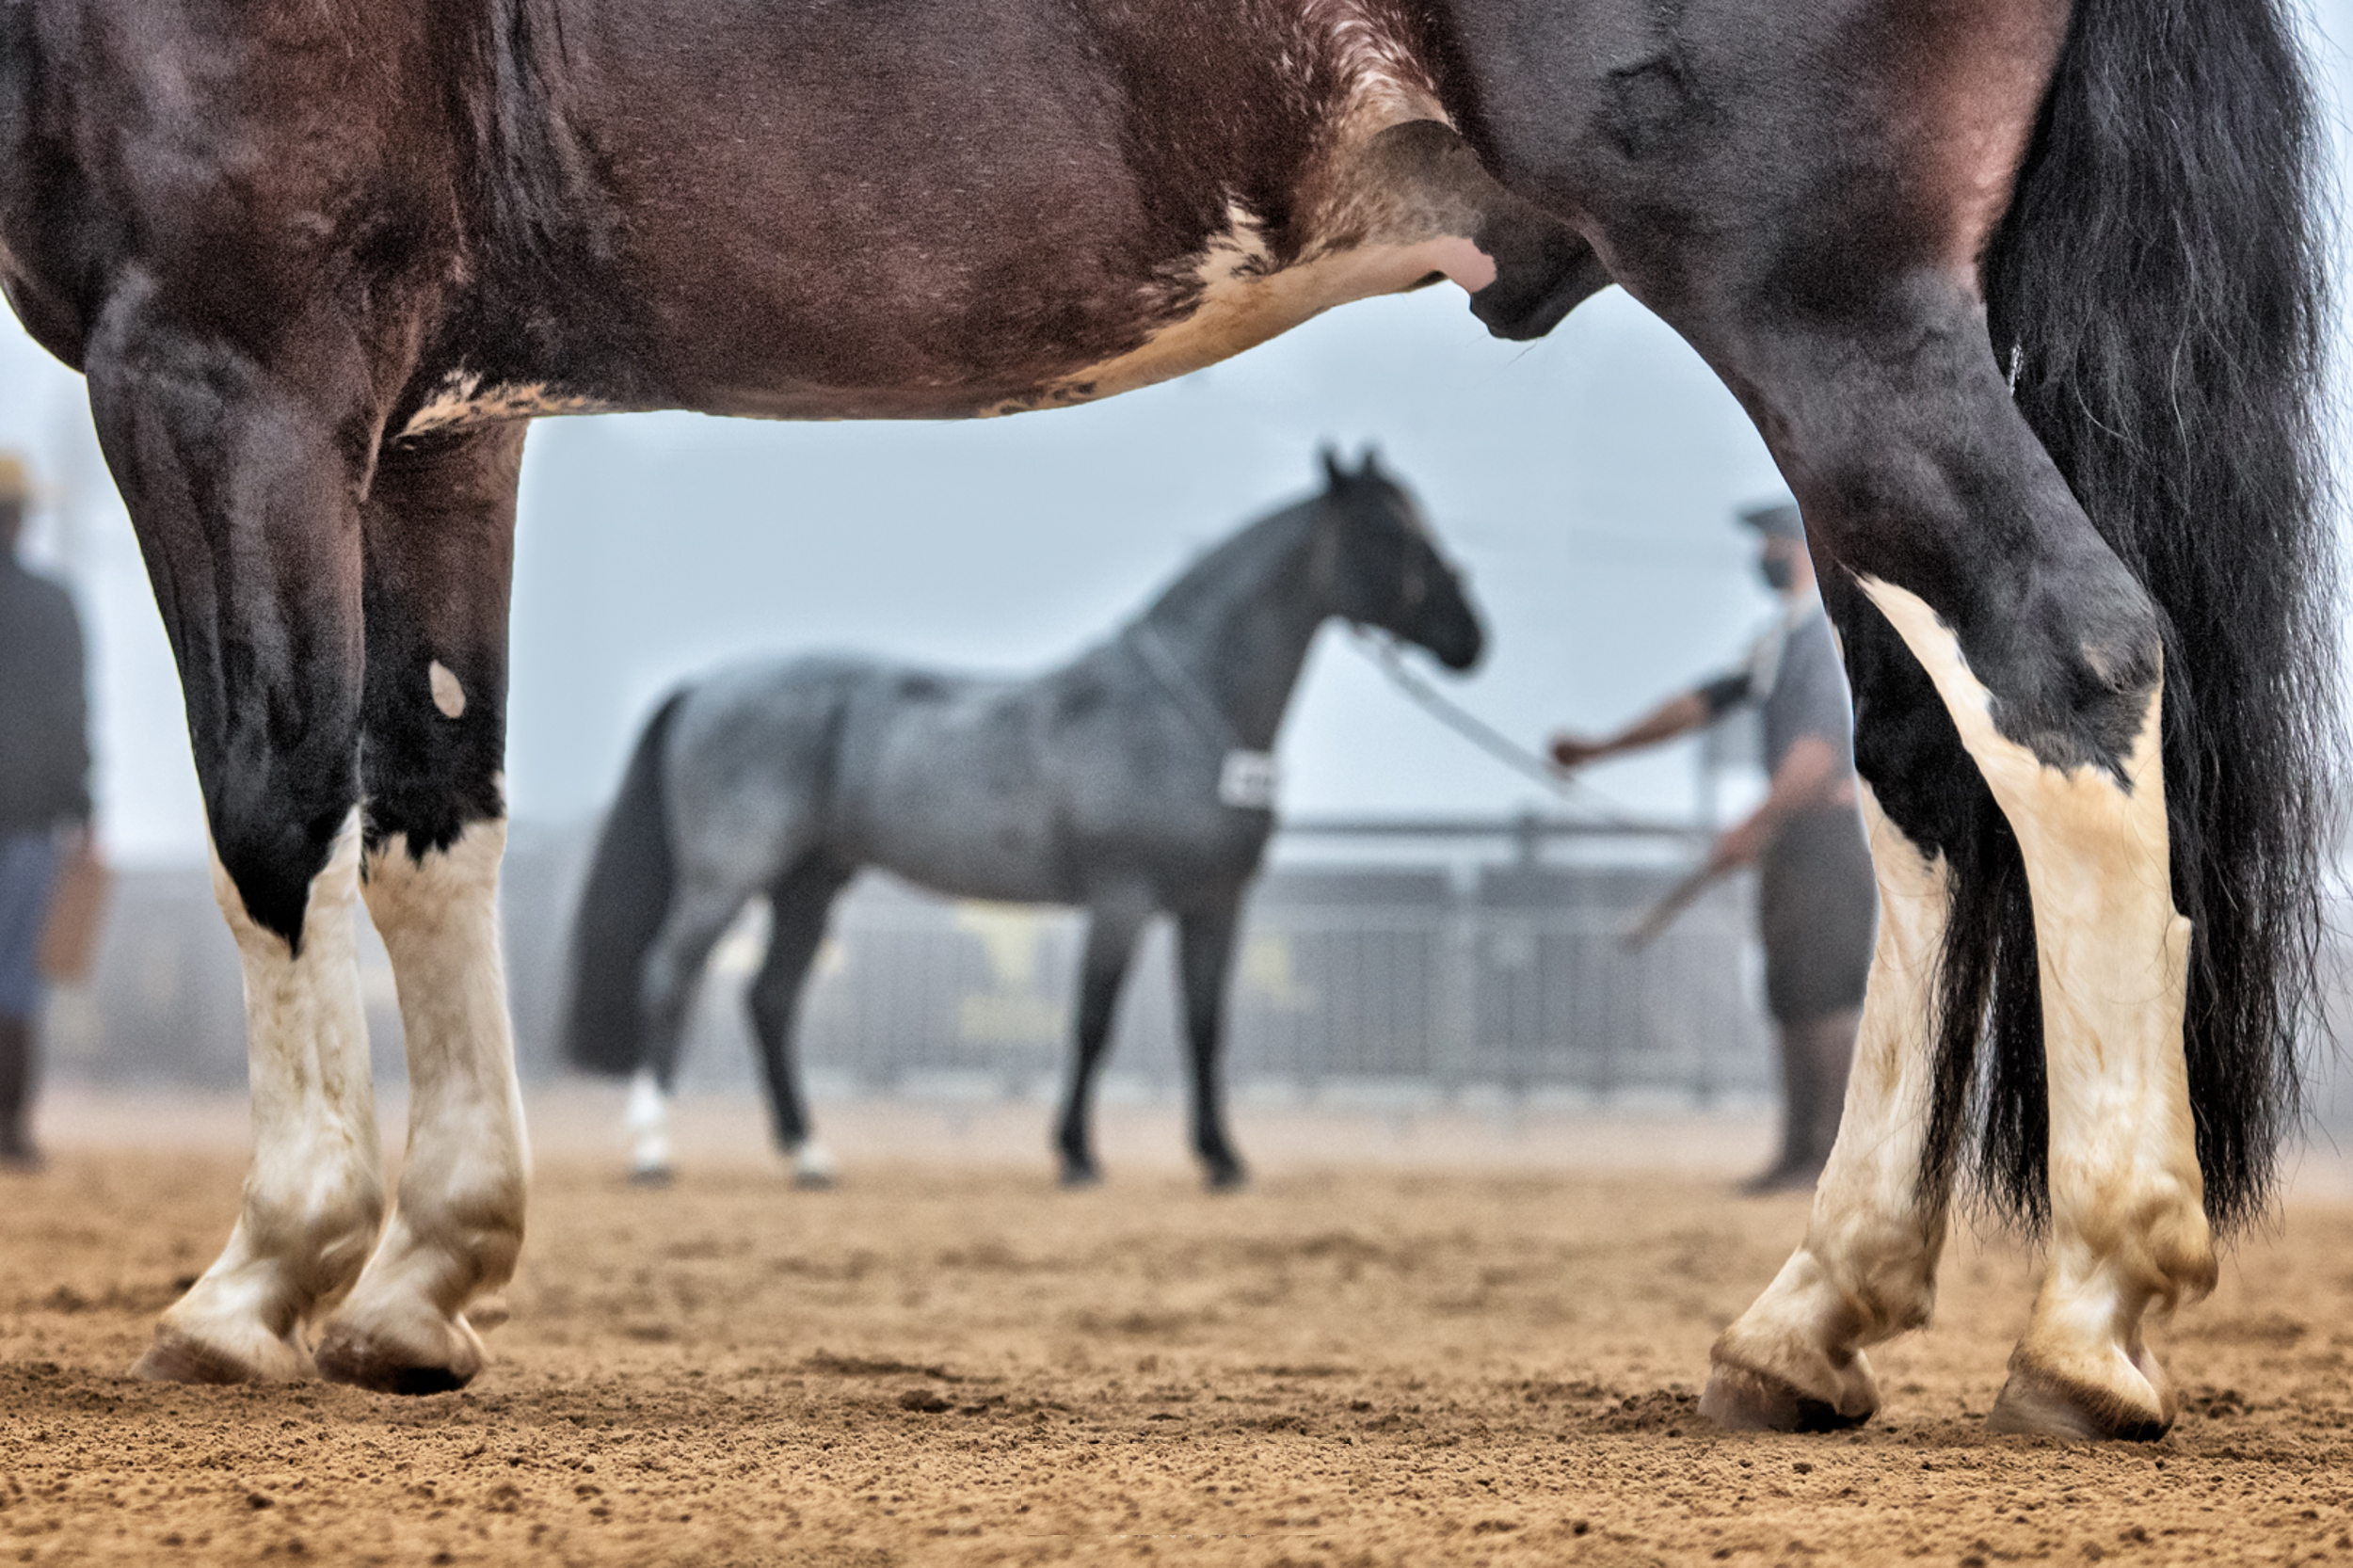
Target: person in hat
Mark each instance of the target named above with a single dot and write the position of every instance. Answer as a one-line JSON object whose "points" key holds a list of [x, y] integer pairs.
{"points": [[1817, 901], [44, 793]]}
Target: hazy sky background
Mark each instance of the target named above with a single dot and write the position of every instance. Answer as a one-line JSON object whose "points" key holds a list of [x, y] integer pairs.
{"points": [[1586, 482]]}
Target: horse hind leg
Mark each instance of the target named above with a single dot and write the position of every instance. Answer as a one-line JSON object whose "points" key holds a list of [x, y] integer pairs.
{"points": [[1866, 1269], [2129, 1228], [799, 909], [1941, 507], [439, 532], [1114, 924], [240, 487], [709, 894]]}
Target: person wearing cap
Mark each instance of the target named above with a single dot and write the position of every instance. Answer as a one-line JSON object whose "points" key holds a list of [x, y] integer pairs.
{"points": [[44, 794], [1817, 901]]}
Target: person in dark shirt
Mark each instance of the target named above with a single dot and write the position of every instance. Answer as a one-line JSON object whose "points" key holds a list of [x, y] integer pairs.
{"points": [[1817, 903], [44, 794]]}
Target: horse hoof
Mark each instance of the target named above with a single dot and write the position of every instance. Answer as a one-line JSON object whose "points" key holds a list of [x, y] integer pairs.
{"points": [[814, 1168], [1077, 1177], [1741, 1398], [2042, 1403], [1228, 1177], [346, 1356], [651, 1176], [177, 1356]]}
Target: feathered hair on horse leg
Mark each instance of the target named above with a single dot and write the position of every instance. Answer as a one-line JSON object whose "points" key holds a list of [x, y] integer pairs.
{"points": [[2157, 293]]}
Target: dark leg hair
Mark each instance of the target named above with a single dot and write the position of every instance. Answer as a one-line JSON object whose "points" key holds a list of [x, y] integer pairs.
{"points": [[1206, 953], [439, 523], [1113, 923], [798, 907]]}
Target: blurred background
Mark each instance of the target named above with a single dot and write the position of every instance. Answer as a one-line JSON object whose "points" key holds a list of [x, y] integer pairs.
{"points": [[1433, 923]]}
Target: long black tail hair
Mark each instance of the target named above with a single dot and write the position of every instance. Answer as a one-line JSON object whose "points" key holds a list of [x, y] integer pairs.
{"points": [[2157, 291], [621, 909]]}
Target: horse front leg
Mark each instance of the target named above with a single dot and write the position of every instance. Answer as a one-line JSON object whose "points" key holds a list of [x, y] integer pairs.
{"points": [[241, 484], [1113, 923], [440, 527], [1205, 955]]}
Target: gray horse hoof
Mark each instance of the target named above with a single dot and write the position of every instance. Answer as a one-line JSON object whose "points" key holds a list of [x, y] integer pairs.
{"points": [[650, 1176]]}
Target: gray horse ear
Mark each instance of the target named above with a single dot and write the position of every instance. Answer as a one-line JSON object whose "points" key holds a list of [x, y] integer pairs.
{"points": [[1334, 476], [1371, 466]]}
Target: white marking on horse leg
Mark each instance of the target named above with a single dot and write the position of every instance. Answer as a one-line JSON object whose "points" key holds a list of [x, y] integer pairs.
{"points": [[459, 1222], [315, 1193], [1866, 1271], [448, 696], [647, 1123], [2128, 1223], [813, 1165]]}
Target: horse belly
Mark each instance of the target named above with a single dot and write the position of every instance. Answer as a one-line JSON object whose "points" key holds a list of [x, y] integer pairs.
{"points": [[1242, 302], [896, 214]]}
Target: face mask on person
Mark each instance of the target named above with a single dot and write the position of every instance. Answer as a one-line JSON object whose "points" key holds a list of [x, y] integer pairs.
{"points": [[1778, 571]]}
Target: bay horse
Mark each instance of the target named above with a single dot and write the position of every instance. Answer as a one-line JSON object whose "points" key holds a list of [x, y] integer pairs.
{"points": [[1135, 779], [2025, 297]]}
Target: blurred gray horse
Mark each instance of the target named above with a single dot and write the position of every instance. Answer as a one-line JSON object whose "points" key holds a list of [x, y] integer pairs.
{"points": [[1134, 780]]}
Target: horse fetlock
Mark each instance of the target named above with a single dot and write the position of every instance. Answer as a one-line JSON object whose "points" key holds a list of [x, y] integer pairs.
{"points": [[298, 1255]]}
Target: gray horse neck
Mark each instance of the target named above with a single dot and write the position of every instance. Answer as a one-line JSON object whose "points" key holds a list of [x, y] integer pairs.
{"points": [[1238, 626]]}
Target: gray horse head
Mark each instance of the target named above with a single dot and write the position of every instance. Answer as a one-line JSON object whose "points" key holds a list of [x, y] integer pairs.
{"points": [[1377, 564]]}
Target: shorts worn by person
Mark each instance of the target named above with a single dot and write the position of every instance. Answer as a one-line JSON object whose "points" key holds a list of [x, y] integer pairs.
{"points": [[1817, 901], [44, 795]]}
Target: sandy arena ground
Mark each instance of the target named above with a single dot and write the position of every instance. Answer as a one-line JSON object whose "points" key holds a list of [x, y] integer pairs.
{"points": [[1450, 1341]]}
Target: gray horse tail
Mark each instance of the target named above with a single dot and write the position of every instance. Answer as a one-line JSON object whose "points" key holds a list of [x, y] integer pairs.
{"points": [[621, 911]]}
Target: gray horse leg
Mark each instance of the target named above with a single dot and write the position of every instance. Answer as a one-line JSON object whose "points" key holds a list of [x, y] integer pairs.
{"points": [[1113, 927], [798, 905], [701, 912], [1206, 951]]}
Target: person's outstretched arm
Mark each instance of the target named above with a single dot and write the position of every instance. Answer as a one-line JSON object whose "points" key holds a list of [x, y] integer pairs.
{"points": [[1678, 715]]}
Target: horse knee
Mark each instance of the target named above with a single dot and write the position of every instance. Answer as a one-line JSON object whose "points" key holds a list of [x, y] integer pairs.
{"points": [[273, 852]]}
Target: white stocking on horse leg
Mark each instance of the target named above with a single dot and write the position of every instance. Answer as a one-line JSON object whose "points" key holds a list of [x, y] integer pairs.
{"points": [[647, 1121], [460, 1221], [1866, 1269], [2128, 1225], [314, 1196]]}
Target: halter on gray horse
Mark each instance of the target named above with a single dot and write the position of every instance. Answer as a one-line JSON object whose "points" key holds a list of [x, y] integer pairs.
{"points": [[1132, 780]]}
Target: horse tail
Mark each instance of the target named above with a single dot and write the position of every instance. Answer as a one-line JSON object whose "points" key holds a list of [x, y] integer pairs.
{"points": [[2157, 291], [621, 910]]}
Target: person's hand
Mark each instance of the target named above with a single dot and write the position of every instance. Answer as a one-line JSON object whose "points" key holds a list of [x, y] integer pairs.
{"points": [[1736, 847], [1575, 751]]}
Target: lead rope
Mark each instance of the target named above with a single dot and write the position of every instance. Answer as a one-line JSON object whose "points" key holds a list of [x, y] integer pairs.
{"points": [[1162, 666], [1390, 659]]}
